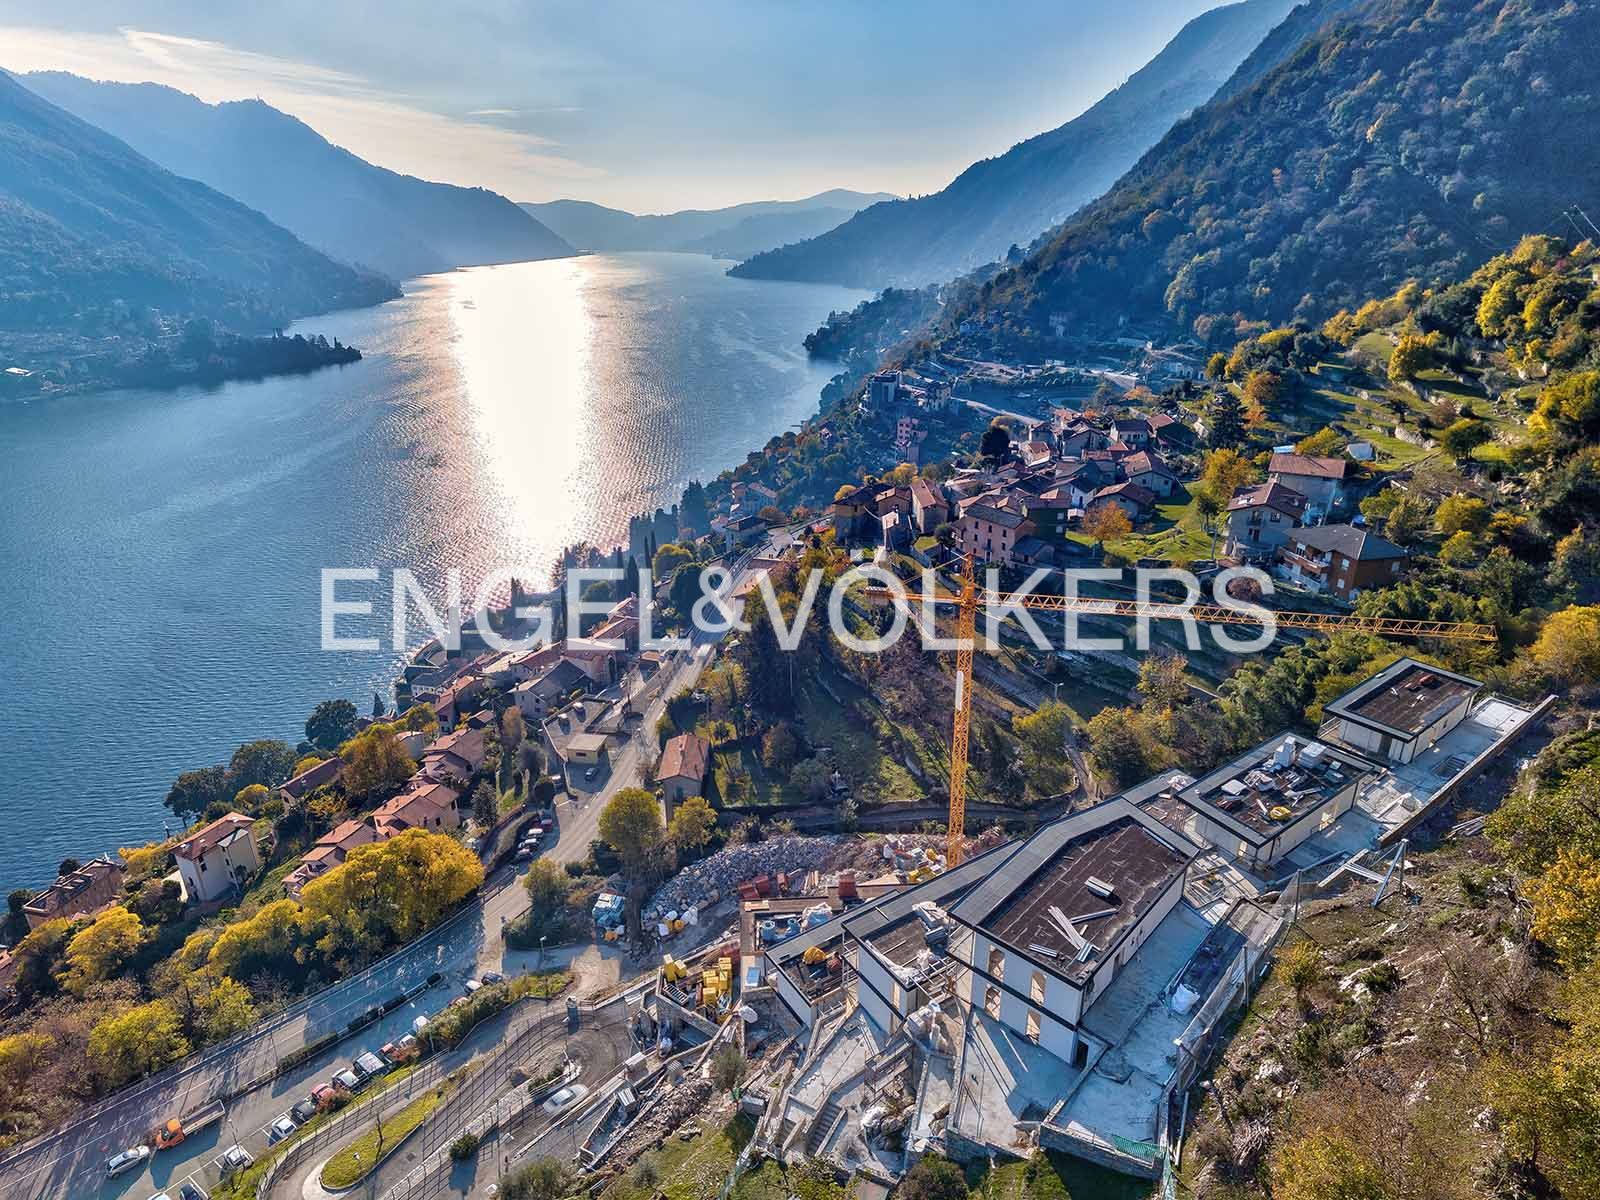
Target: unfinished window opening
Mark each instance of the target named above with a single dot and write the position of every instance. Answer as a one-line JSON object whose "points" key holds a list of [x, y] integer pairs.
{"points": [[1032, 1033], [997, 962], [991, 1001], [1036, 989]]}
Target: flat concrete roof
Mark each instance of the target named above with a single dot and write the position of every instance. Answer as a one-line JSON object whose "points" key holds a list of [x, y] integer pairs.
{"points": [[1403, 698]]}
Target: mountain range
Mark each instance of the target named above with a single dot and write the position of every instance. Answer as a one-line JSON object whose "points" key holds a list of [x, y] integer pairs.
{"points": [[736, 232], [391, 223], [91, 232], [1404, 139], [1011, 199]]}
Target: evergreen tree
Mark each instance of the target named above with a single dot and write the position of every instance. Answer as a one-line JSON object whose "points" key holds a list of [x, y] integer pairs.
{"points": [[1224, 419]]}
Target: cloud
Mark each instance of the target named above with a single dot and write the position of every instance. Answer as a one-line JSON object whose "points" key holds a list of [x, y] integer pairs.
{"points": [[384, 127]]}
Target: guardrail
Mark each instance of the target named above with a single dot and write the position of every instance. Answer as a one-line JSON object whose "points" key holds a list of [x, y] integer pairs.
{"points": [[264, 1030]]}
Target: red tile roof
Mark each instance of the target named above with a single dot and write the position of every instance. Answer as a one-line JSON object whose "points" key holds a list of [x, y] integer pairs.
{"points": [[684, 757], [1309, 465], [204, 840]]}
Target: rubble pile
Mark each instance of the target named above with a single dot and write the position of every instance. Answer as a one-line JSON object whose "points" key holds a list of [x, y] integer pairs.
{"points": [[719, 876], [660, 1122]]}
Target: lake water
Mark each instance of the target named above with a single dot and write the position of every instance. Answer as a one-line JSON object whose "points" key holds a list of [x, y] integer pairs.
{"points": [[163, 550]]}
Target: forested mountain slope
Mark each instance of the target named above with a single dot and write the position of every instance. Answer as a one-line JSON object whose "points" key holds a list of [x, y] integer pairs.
{"points": [[89, 227], [1405, 140]]}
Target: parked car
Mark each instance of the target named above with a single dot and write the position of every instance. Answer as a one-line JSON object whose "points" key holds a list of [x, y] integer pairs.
{"points": [[281, 1128], [402, 1049], [492, 977], [304, 1110], [323, 1095], [524, 853], [419, 1025], [473, 985], [591, 772], [235, 1158], [347, 1079], [188, 1191], [127, 1160], [368, 1065], [565, 1098]]}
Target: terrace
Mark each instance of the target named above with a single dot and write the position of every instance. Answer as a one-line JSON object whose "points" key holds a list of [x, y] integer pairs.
{"points": [[1275, 786]]}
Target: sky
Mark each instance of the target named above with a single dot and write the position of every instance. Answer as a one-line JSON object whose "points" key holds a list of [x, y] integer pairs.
{"points": [[651, 107]]}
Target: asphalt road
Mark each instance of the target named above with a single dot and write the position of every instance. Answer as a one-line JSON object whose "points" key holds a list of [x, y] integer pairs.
{"points": [[70, 1162]]}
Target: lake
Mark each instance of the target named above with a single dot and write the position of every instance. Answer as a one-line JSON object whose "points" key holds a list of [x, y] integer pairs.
{"points": [[163, 550]]}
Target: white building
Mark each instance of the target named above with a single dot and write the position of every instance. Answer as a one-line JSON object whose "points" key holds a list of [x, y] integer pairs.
{"points": [[217, 859], [1402, 710], [1266, 802]]}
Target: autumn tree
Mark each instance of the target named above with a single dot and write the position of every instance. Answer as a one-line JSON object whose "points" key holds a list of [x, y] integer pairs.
{"points": [[101, 950], [1411, 356], [375, 763], [1532, 825], [268, 941], [1117, 745], [693, 823], [1106, 522], [1460, 512], [631, 825], [1162, 682], [1325, 1166], [386, 893], [1407, 520], [1261, 390], [137, 1042], [1325, 443], [1569, 645], [1548, 1109], [1566, 907], [1225, 472]]}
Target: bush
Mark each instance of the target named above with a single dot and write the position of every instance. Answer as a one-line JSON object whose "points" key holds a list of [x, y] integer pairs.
{"points": [[1301, 966], [464, 1147], [1384, 977]]}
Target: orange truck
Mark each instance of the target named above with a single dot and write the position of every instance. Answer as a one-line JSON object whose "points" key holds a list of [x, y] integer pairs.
{"points": [[186, 1126]]}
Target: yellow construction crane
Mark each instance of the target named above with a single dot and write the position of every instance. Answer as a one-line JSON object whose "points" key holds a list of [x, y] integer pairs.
{"points": [[966, 603]]}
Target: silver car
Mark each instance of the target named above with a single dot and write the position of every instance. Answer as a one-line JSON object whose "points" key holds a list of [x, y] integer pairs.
{"points": [[130, 1159]]}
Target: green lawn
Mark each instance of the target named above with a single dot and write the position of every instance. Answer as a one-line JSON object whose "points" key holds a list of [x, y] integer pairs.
{"points": [[355, 1161]]}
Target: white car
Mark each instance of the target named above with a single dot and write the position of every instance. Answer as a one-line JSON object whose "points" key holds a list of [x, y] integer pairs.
{"points": [[235, 1158], [281, 1128], [473, 985], [565, 1098], [130, 1159]]}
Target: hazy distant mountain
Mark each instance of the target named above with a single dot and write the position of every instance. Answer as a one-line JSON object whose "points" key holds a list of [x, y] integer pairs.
{"points": [[735, 232], [341, 204], [90, 231], [1037, 184]]}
